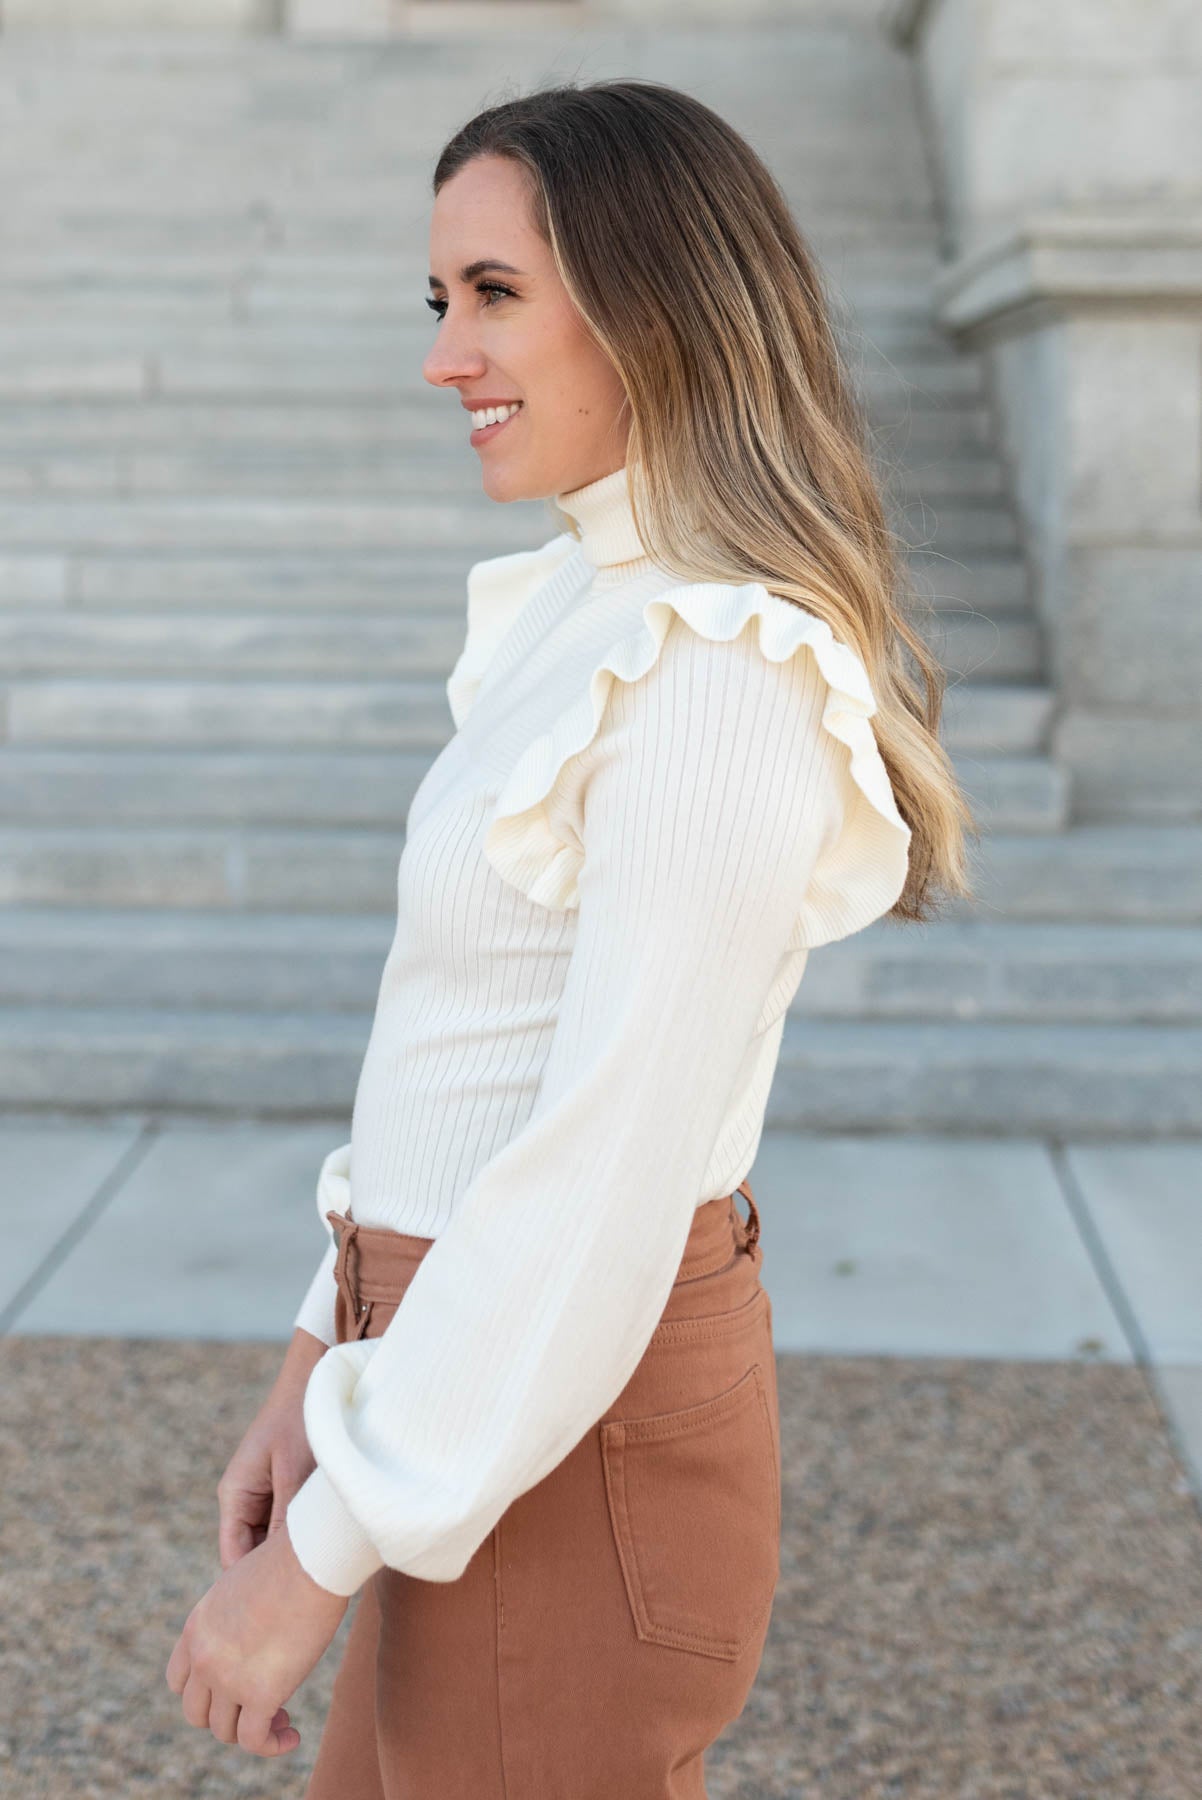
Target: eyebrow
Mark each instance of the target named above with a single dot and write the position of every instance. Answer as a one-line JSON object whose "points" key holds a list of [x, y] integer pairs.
{"points": [[469, 271]]}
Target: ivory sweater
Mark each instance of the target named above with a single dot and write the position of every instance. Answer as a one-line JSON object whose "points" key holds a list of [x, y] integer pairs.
{"points": [[659, 797]]}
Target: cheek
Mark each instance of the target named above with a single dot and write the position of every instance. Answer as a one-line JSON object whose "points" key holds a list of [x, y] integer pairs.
{"points": [[567, 366], [598, 387]]}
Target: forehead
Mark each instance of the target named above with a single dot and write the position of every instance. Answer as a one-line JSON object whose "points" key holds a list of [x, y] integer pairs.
{"points": [[487, 198]]}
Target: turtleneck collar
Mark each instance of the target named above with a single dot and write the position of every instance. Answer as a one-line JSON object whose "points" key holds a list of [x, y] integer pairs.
{"points": [[602, 514]]}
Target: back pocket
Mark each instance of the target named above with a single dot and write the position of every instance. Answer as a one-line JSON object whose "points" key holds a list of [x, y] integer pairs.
{"points": [[694, 1501]]}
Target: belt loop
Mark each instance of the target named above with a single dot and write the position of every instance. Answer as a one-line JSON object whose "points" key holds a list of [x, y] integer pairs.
{"points": [[346, 1274], [753, 1217]]}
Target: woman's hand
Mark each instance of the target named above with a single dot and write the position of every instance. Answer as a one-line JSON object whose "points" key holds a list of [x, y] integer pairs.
{"points": [[272, 1460], [249, 1643]]}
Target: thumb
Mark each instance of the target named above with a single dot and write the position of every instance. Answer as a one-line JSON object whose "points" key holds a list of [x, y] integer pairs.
{"points": [[234, 1538], [279, 1506], [289, 1477]]}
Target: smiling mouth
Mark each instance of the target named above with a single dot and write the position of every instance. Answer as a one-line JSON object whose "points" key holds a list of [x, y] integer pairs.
{"points": [[483, 433]]}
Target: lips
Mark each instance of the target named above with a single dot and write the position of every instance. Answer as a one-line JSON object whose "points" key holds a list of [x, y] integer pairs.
{"points": [[482, 434]]}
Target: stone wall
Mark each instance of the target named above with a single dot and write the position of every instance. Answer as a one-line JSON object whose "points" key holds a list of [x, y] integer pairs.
{"points": [[1068, 141]]}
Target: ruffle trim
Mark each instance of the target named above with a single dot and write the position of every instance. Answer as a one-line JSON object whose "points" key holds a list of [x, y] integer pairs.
{"points": [[857, 879], [497, 590]]}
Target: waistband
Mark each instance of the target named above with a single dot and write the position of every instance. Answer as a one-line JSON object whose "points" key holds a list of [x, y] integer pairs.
{"points": [[375, 1263]]}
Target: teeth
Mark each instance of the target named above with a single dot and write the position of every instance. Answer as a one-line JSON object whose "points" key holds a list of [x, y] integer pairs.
{"points": [[490, 414]]}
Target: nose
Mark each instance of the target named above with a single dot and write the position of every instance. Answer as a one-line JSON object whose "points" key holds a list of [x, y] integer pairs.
{"points": [[451, 358]]}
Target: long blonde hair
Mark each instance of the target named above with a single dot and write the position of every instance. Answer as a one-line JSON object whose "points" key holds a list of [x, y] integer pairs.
{"points": [[748, 455]]}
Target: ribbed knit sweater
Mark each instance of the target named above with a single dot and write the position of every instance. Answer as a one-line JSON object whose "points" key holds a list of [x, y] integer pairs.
{"points": [[659, 796]]}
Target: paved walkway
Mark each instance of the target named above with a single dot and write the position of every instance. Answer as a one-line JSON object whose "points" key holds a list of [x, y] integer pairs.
{"points": [[990, 1360], [890, 1245]]}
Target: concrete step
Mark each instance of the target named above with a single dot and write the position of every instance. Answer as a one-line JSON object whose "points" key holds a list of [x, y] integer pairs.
{"points": [[172, 579], [882, 180], [1020, 1079], [1104, 874], [418, 643], [249, 425], [848, 62], [1089, 873], [470, 524], [846, 50], [993, 664], [880, 309], [920, 437], [269, 1065], [207, 787], [96, 369], [267, 524], [807, 146], [954, 528], [978, 970], [76, 323], [171, 582], [36, 643], [878, 267], [997, 718], [143, 310], [373, 206], [974, 648], [1000, 969], [277, 868], [386, 121], [341, 787], [234, 961], [243, 424], [365, 470], [996, 583], [1015, 793]]}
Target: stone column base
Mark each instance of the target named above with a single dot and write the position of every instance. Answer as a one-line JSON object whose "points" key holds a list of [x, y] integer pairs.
{"points": [[1092, 331]]}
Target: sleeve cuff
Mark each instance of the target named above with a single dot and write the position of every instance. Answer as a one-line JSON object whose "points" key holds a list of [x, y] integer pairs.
{"points": [[330, 1544], [316, 1312]]}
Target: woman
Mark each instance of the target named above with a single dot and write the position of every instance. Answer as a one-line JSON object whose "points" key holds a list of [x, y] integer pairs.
{"points": [[688, 750]]}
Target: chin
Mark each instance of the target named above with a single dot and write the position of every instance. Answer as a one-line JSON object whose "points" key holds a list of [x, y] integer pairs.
{"points": [[506, 484]]}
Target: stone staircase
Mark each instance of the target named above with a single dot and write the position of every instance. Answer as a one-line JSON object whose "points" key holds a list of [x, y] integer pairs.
{"points": [[234, 528]]}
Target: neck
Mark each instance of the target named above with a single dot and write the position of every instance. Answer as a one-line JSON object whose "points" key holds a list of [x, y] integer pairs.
{"points": [[605, 528]]}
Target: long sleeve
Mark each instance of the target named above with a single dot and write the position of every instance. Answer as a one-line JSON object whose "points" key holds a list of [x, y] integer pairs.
{"points": [[712, 788], [316, 1311]]}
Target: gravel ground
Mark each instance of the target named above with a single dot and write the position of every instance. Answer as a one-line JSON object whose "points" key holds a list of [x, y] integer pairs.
{"points": [[991, 1583]]}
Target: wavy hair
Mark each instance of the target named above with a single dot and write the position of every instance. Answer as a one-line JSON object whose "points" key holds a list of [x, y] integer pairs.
{"points": [[748, 455]]}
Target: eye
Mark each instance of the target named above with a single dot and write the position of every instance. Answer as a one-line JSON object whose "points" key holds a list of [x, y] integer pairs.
{"points": [[439, 307]]}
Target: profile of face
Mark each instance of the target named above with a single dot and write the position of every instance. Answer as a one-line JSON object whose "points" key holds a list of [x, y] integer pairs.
{"points": [[508, 332]]}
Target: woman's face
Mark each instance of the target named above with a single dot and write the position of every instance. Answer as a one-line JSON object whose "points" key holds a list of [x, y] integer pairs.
{"points": [[513, 334]]}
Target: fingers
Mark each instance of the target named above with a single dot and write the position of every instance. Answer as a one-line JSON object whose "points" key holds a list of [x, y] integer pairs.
{"points": [[223, 1718], [197, 1697], [242, 1517], [252, 1728], [234, 1538], [179, 1664], [266, 1734], [288, 1478]]}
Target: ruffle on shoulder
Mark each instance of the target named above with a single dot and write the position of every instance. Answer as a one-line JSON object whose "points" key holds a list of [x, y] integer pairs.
{"points": [[497, 590], [858, 877]]}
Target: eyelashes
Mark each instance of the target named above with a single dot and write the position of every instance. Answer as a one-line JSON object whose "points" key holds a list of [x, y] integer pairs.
{"points": [[439, 307]]}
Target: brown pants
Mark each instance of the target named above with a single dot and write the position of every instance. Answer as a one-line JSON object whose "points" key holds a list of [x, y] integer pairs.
{"points": [[612, 1623]]}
